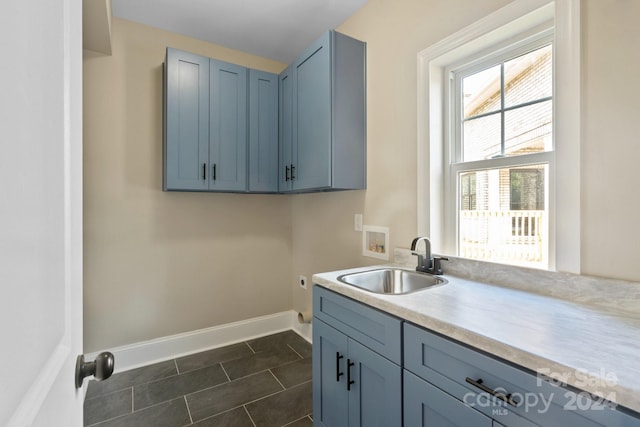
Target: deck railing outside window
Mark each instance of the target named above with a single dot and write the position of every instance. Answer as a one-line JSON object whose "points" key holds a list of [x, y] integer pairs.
{"points": [[504, 236]]}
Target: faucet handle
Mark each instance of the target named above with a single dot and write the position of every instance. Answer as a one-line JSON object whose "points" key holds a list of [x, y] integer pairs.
{"points": [[437, 268]]}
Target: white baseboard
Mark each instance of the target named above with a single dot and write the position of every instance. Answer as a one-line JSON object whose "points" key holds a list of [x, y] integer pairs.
{"points": [[147, 352]]}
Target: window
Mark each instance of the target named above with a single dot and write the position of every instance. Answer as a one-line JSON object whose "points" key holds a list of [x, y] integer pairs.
{"points": [[502, 108], [521, 166]]}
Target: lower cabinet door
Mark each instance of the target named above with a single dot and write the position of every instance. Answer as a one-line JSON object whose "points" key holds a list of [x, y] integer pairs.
{"points": [[426, 405], [375, 396], [330, 395]]}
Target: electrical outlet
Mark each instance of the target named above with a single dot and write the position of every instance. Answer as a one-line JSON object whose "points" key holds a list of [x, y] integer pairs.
{"points": [[357, 222], [302, 280]]}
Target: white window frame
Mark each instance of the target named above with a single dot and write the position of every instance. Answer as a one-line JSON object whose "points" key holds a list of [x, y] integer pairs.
{"points": [[517, 18], [504, 51]]}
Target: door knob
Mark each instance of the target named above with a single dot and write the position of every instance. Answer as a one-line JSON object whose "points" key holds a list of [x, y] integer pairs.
{"points": [[101, 368]]}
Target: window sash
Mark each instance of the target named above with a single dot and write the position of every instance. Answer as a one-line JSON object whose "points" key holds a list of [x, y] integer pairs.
{"points": [[453, 97], [479, 62]]}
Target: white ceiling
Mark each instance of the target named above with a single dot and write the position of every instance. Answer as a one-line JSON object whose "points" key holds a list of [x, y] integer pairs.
{"points": [[276, 29]]}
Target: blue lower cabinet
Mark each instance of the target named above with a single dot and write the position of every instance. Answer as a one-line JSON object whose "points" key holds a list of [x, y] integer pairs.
{"points": [[361, 378], [352, 384], [426, 405], [330, 398], [375, 397]]}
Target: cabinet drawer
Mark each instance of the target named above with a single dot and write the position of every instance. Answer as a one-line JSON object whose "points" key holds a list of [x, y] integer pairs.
{"points": [[450, 366], [426, 405], [379, 331]]}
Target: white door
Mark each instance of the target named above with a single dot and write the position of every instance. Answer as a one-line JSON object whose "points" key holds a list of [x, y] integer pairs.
{"points": [[40, 211]]}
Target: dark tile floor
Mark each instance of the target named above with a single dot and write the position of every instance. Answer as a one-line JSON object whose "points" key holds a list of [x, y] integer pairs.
{"points": [[262, 382]]}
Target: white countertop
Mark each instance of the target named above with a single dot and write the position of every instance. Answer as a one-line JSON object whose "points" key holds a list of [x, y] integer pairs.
{"points": [[595, 349]]}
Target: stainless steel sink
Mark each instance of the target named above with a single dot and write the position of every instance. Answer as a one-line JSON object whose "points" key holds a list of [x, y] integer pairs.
{"points": [[391, 280]]}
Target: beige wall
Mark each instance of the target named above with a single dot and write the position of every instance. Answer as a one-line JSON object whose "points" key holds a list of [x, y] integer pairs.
{"points": [[166, 260], [156, 263], [611, 141]]}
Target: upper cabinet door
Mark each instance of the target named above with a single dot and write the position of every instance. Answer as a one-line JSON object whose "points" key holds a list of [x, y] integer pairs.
{"points": [[285, 138], [323, 97], [186, 111], [312, 117], [228, 127], [263, 132]]}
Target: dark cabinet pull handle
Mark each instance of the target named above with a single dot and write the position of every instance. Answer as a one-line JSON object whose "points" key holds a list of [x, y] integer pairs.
{"points": [[204, 171], [286, 173], [293, 168], [214, 172], [338, 373], [504, 397], [349, 380]]}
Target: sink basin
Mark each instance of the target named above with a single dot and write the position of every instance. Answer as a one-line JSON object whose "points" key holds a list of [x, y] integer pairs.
{"points": [[391, 280]]}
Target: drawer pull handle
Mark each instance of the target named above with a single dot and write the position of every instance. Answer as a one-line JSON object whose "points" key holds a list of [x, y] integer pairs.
{"points": [[293, 168], [286, 173], [338, 373], [504, 397], [349, 380]]}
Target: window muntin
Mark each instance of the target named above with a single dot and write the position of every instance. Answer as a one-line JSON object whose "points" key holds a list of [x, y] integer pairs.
{"points": [[501, 155], [507, 107]]}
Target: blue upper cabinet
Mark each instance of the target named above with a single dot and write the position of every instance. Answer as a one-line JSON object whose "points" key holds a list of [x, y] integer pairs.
{"points": [[285, 122], [323, 95], [227, 127], [312, 117], [221, 126], [186, 119], [205, 118], [263, 132]]}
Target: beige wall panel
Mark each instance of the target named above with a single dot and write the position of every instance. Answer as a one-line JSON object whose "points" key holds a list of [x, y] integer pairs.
{"points": [[157, 263], [610, 141]]}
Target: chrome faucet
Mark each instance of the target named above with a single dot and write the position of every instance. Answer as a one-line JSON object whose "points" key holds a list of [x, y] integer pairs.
{"points": [[426, 264]]}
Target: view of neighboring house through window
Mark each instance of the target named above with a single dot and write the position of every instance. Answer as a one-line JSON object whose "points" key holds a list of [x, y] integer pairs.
{"points": [[502, 127]]}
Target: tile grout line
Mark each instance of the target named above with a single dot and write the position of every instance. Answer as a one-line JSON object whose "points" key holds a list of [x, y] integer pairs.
{"points": [[294, 350], [295, 421], [188, 410], [250, 348], [117, 416], [175, 362], [249, 415], [244, 405], [225, 372], [276, 378]]}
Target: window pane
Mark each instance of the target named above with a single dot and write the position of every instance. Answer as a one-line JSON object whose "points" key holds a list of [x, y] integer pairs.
{"points": [[481, 92], [481, 139], [528, 129], [503, 215], [468, 191], [528, 77]]}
